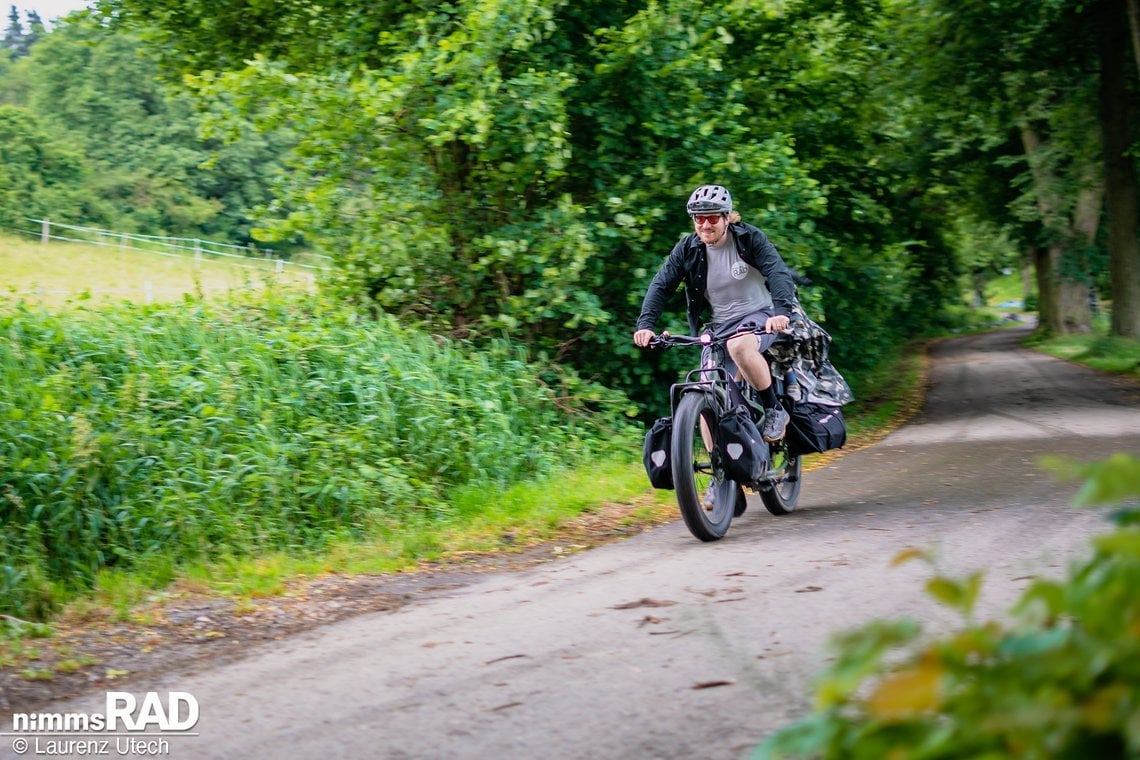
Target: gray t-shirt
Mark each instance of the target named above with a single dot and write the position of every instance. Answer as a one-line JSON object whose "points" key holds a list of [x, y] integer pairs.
{"points": [[735, 289]]}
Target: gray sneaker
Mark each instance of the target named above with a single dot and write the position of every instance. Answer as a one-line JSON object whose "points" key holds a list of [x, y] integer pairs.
{"points": [[775, 424]]}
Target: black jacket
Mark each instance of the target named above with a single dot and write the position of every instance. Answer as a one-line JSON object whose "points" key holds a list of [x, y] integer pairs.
{"points": [[689, 262]]}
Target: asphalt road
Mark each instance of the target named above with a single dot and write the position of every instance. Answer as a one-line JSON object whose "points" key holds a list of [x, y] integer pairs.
{"points": [[617, 652]]}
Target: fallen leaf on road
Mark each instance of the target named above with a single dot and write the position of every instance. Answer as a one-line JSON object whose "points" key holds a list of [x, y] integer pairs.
{"points": [[712, 684], [508, 657], [644, 602], [808, 589], [650, 620]]}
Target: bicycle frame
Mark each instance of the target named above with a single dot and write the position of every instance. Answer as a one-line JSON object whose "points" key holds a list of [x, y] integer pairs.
{"points": [[707, 497], [717, 387], [713, 380]]}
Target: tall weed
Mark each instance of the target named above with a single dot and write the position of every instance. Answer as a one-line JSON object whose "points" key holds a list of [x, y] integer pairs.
{"points": [[197, 429]]}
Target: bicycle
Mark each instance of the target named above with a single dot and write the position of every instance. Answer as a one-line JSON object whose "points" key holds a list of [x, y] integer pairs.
{"points": [[698, 469]]}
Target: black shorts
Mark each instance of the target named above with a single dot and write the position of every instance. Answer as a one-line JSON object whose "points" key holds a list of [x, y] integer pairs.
{"points": [[756, 319]]}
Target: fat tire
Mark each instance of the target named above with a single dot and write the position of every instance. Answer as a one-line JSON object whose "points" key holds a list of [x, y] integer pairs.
{"points": [[695, 470]]}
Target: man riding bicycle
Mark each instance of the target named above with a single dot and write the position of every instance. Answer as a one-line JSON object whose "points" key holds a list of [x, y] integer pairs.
{"points": [[734, 268]]}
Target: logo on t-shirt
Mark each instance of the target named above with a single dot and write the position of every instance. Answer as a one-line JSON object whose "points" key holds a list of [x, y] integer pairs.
{"points": [[739, 270]]}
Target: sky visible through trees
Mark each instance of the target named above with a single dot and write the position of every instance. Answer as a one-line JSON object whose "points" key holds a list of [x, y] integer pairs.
{"points": [[49, 10]]}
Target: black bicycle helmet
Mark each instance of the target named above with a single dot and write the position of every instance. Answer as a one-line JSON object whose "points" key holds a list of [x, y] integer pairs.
{"points": [[709, 199]]}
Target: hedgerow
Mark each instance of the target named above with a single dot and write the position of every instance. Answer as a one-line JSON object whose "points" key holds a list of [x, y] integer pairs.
{"points": [[198, 429]]}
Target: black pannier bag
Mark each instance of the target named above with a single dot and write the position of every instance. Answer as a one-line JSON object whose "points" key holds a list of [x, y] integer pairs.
{"points": [[658, 453], [815, 428], [743, 452]]}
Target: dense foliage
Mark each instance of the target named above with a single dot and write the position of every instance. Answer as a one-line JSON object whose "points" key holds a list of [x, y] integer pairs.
{"points": [[1061, 681], [482, 166], [89, 135], [193, 430]]}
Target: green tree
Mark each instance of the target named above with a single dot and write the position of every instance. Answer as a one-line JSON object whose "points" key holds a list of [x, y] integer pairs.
{"points": [[146, 169], [523, 166], [16, 41], [14, 35], [481, 166], [38, 174], [437, 182], [1027, 84]]}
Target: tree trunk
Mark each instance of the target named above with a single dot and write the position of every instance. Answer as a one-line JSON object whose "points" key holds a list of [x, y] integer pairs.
{"points": [[1076, 305], [1048, 313], [1028, 284], [1062, 302], [1119, 171]]}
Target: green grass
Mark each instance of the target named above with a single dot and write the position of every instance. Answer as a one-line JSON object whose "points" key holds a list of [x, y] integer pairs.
{"points": [[484, 521], [57, 273], [139, 440], [1003, 289], [1097, 350], [479, 519], [1006, 288], [232, 447]]}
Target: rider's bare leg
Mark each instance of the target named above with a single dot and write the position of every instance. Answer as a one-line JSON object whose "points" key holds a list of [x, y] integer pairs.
{"points": [[706, 434], [745, 351]]}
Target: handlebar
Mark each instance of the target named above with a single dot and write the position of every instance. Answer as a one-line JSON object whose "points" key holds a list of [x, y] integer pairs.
{"points": [[666, 340]]}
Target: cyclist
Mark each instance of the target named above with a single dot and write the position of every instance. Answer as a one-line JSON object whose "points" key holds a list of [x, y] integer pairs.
{"points": [[732, 267]]}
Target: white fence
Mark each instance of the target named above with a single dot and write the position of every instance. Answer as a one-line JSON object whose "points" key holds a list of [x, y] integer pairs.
{"points": [[167, 246]]}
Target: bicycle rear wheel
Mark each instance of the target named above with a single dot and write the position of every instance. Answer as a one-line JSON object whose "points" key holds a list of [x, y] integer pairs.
{"points": [[697, 473], [782, 493]]}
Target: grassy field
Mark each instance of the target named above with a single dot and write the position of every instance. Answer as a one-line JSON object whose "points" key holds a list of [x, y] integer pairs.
{"points": [[1005, 289], [56, 273]]}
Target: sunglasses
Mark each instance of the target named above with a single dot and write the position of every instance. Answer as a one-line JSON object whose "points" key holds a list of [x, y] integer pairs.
{"points": [[710, 219]]}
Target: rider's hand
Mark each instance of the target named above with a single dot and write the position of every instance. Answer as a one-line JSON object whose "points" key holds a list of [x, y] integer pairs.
{"points": [[778, 323], [642, 337]]}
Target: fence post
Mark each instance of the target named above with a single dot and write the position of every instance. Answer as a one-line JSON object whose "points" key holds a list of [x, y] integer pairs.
{"points": [[149, 291], [197, 249], [45, 231], [280, 266]]}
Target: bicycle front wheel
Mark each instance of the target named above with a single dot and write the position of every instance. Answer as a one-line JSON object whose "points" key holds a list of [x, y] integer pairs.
{"points": [[706, 496]]}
